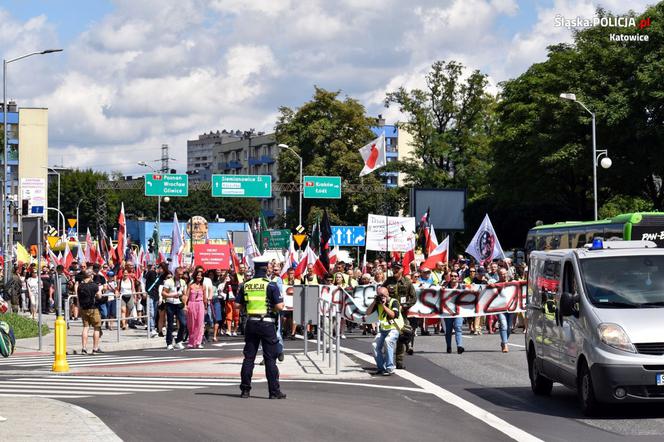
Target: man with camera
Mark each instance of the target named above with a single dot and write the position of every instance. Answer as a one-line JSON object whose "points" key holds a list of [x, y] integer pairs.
{"points": [[390, 321]]}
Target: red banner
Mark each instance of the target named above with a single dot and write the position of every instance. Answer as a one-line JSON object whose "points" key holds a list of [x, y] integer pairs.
{"points": [[212, 256]]}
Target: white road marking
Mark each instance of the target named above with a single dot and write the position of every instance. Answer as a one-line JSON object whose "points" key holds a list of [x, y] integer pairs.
{"points": [[357, 384], [516, 345], [457, 401]]}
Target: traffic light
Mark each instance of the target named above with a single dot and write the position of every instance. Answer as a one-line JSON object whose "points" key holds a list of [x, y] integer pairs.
{"points": [[150, 245], [24, 207]]}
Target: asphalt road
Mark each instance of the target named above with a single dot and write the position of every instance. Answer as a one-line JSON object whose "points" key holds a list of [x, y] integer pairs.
{"points": [[392, 408]]}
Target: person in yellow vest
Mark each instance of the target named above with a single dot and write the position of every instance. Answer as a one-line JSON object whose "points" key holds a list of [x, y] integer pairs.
{"points": [[241, 273], [390, 321], [262, 300], [310, 277]]}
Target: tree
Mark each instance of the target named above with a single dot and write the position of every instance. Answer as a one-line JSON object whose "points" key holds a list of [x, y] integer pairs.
{"points": [[451, 122], [542, 145], [328, 132]]}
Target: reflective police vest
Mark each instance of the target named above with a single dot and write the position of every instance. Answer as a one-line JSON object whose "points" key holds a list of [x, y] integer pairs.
{"points": [[255, 296], [390, 323]]}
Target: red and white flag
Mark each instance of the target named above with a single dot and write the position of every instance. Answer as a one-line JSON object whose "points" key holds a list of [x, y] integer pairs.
{"points": [[118, 257], [177, 244], [439, 254], [290, 261], [484, 246], [333, 256], [310, 257], [432, 241], [373, 155], [67, 257]]}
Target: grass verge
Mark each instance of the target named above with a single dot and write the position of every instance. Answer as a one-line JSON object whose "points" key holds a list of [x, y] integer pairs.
{"points": [[23, 327]]}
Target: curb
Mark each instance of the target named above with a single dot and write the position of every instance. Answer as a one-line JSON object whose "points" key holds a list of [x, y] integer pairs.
{"points": [[98, 430]]}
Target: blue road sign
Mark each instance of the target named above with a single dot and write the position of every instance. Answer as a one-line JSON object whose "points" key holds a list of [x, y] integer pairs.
{"points": [[37, 209], [348, 236]]}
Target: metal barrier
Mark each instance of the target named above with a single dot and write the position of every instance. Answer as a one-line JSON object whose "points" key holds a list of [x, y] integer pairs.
{"points": [[118, 312], [326, 329]]}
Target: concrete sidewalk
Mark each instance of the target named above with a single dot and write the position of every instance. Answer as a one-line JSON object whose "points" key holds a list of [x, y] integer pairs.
{"points": [[38, 419], [130, 339]]}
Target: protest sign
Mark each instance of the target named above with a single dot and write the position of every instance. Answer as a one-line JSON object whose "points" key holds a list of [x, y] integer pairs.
{"points": [[212, 256], [390, 233]]}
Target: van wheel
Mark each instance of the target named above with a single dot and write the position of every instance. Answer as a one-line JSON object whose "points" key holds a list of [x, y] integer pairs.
{"points": [[589, 404], [540, 385]]}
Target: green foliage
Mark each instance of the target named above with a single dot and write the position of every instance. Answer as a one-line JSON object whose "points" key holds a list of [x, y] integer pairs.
{"points": [[451, 123], [328, 133], [23, 327], [76, 185], [542, 146], [624, 204]]}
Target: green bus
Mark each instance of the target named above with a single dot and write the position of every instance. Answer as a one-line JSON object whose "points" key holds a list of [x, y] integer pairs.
{"points": [[573, 234]]}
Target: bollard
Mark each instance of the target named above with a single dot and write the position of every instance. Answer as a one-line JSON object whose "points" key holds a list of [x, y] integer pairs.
{"points": [[60, 365]]}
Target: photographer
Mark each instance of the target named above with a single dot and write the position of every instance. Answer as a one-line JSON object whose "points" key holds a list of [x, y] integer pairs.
{"points": [[390, 320]]}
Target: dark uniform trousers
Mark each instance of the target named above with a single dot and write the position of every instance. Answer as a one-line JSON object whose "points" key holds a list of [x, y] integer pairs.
{"points": [[263, 333]]}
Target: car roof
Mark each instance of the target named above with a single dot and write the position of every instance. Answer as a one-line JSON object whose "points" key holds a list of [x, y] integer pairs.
{"points": [[583, 253]]}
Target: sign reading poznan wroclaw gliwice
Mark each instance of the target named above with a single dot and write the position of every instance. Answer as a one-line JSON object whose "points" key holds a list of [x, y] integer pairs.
{"points": [[166, 184], [390, 233]]}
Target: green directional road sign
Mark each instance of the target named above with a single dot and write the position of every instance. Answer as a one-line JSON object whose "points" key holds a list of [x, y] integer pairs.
{"points": [[242, 186], [322, 187], [166, 184]]}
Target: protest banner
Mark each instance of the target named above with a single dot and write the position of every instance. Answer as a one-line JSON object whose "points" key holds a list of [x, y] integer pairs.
{"points": [[390, 233], [212, 256], [434, 301]]}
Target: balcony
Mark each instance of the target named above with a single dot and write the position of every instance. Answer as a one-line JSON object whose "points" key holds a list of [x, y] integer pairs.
{"points": [[234, 165], [266, 159], [254, 161]]}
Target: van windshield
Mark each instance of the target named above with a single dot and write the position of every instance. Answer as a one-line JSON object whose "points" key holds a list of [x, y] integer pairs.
{"points": [[625, 282]]}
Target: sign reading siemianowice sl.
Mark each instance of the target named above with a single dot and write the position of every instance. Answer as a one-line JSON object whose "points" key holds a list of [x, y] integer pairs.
{"points": [[322, 187], [166, 184], [242, 186]]}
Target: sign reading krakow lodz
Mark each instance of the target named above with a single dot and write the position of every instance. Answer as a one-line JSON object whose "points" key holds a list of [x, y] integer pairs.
{"points": [[322, 187], [166, 184]]}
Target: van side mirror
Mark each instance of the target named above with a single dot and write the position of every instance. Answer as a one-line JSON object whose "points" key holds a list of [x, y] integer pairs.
{"points": [[568, 304]]}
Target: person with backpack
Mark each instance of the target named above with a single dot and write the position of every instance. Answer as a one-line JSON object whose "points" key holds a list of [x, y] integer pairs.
{"points": [[89, 292]]}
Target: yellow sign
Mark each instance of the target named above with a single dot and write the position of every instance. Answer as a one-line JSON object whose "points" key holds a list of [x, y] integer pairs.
{"points": [[72, 222], [53, 240], [299, 239]]}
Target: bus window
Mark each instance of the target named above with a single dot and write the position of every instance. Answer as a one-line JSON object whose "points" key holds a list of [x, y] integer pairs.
{"points": [[554, 242], [564, 240], [613, 231], [594, 232], [540, 243]]}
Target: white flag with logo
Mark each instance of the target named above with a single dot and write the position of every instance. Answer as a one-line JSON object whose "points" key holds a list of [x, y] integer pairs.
{"points": [[373, 155], [484, 246]]}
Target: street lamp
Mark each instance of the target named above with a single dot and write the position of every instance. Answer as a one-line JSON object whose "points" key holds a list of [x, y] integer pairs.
{"points": [[144, 164], [597, 154], [58, 174], [286, 146], [6, 222]]}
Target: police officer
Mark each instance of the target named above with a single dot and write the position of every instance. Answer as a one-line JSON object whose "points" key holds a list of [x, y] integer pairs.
{"points": [[262, 300]]}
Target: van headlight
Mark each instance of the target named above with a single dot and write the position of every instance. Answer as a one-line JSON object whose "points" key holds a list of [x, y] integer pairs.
{"points": [[614, 336]]}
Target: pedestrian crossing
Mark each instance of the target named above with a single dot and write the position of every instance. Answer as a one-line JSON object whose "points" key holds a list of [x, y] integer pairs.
{"points": [[39, 362], [71, 387]]}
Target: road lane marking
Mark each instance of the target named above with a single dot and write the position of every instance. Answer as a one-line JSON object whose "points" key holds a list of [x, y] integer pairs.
{"points": [[457, 401], [516, 345]]}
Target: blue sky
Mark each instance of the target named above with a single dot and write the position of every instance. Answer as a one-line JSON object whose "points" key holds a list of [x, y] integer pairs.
{"points": [[135, 74]]}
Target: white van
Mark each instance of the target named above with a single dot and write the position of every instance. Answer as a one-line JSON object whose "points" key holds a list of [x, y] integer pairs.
{"points": [[595, 322]]}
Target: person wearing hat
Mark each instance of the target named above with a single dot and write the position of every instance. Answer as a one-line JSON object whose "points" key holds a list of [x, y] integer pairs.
{"points": [[401, 288], [261, 299]]}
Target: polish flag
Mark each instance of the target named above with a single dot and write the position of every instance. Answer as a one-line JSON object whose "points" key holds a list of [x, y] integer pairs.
{"points": [[333, 256], [432, 241], [408, 257], [310, 257], [290, 261], [88, 247], [440, 253], [373, 155], [80, 257], [251, 250], [177, 244], [364, 263], [67, 257]]}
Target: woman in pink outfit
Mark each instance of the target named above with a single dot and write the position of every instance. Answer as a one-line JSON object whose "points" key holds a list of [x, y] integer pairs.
{"points": [[195, 306]]}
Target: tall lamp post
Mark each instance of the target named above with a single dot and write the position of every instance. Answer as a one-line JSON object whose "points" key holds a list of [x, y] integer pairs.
{"points": [[597, 154], [286, 146], [144, 164], [6, 222]]}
